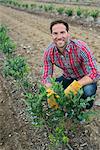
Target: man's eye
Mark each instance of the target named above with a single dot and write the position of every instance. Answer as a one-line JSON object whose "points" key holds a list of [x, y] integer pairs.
{"points": [[54, 33], [62, 32]]}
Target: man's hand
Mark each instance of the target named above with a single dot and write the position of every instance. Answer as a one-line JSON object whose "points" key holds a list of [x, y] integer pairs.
{"points": [[52, 96], [73, 87], [48, 85]]}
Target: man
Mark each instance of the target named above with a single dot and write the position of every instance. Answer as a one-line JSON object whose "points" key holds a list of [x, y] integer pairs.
{"points": [[74, 57]]}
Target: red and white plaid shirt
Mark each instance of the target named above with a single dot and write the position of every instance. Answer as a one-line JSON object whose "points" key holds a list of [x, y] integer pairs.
{"points": [[76, 62]]}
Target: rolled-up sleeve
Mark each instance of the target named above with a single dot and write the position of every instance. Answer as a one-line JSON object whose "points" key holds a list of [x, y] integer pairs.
{"points": [[89, 63], [47, 69]]}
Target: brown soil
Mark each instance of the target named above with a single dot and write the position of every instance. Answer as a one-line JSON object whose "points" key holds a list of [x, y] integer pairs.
{"points": [[31, 35]]}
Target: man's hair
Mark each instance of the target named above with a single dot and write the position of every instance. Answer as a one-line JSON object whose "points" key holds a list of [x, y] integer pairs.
{"points": [[59, 22]]}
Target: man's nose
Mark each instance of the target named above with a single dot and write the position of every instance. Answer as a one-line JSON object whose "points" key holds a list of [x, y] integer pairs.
{"points": [[59, 35]]}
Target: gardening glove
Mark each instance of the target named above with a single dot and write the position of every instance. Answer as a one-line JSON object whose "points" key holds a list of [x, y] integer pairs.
{"points": [[52, 96], [73, 87]]}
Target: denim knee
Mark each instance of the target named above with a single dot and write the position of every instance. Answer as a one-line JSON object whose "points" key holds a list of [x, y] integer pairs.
{"points": [[89, 90]]}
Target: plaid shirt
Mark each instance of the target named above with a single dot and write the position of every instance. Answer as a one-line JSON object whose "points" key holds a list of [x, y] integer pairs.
{"points": [[76, 62]]}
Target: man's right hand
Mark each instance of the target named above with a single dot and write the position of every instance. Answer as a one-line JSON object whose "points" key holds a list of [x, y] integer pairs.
{"points": [[51, 98]]}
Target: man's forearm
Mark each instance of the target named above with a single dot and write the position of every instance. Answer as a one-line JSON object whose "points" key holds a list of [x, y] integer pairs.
{"points": [[85, 80]]}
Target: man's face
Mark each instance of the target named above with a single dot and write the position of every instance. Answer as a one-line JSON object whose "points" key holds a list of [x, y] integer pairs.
{"points": [[59, 35]]}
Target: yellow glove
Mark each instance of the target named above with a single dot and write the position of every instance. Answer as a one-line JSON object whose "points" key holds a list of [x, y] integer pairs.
{"points": [[52, 96], [73, 87]]}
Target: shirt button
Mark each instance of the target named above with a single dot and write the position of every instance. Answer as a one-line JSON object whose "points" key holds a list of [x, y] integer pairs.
{"points": [[62, 56]]}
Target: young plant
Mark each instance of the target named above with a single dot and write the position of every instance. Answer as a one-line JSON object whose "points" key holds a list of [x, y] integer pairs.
{"points": [[36, 106], [16, 67], [79, 12], [48, 8], [60, 10], [33, 6], [86, 13], [69, 12], [58, 138], [55, 120], [3, 34], [26, 6], [42, 115], [6, 44], [51, 7], [94, 14]]}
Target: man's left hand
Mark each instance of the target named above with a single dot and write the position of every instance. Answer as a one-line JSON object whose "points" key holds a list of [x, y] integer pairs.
{"points": [[73, 87]]}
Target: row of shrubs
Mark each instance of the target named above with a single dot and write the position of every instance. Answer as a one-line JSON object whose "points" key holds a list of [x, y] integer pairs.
{"points": [[14, 66], [53, 9]]}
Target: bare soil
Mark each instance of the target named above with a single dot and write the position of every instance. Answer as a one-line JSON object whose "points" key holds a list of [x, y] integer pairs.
{"points": [[31, 34]]}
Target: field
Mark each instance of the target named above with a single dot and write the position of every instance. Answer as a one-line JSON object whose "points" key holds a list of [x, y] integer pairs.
{"points": [[31, 34]]}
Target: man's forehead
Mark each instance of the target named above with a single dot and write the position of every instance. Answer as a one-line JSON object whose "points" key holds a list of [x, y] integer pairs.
{"points": [[59, 26]]}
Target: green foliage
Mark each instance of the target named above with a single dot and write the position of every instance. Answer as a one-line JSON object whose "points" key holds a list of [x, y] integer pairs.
{"points": [[86, 13], [26, 84], [6, 44], [69, 12], [33, 6], [26, 5], [73, 105], [3, 33], [95, 13], [35, 105], [58, 137], [60, 10], [41, 113], [40, 6], [16, 67], [46, 8], [79, 12], [10, 2], [49, 7]]}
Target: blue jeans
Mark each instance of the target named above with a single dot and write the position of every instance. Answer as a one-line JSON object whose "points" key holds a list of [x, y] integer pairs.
{"points": [[89, 90]]}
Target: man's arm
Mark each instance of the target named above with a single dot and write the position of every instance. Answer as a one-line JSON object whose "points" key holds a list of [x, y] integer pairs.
{"points": [[85, 80], [47, 70], [89, 64], [89, 67]]}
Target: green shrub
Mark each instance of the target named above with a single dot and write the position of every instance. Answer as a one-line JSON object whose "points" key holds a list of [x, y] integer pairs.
{"points": [[60, 10], [86, 13], [79, 12], [10, 2], [26, 6], [16, 67], [94, 14], [55, 120], [6, 44], [33, 6], [48, 7], [3, 33], [69, 12]]}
